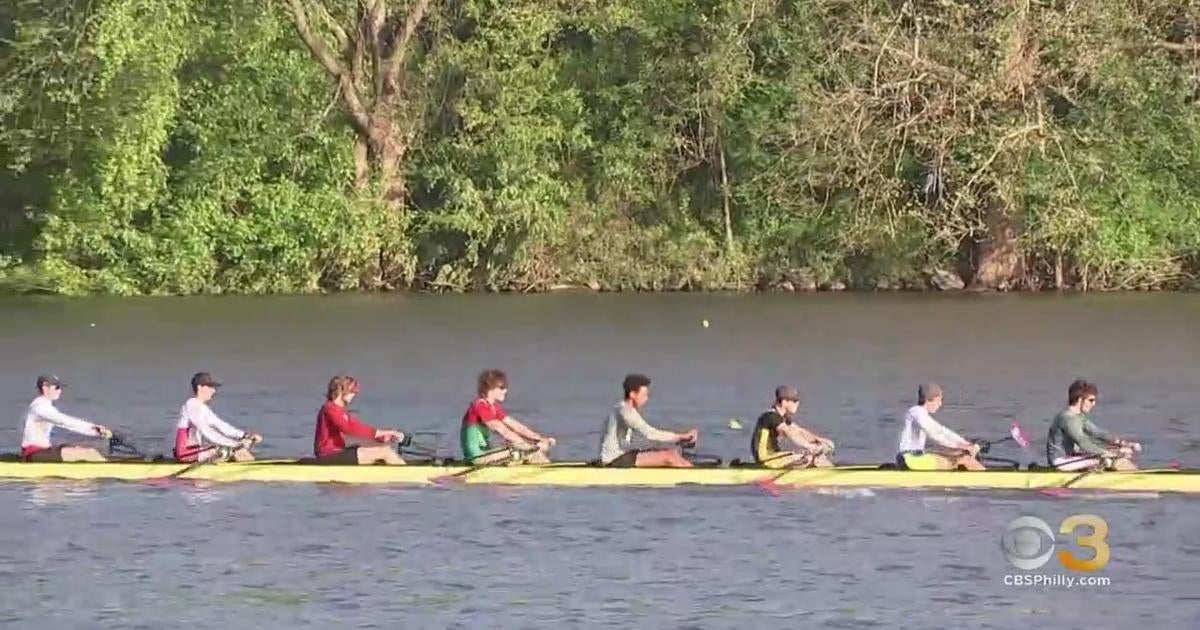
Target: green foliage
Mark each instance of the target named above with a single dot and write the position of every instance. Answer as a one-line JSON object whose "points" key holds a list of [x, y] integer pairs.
{"points": [[196, 146]]}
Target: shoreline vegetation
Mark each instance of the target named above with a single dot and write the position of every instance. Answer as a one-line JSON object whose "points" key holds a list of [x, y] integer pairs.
{"points": [[179, 147]]}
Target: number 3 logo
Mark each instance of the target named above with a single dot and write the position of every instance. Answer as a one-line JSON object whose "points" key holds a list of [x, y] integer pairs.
{"points": [[1094, 541]]}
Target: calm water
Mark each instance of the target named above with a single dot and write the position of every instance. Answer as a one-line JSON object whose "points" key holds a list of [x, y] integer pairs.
{"points": [[115, 555]]}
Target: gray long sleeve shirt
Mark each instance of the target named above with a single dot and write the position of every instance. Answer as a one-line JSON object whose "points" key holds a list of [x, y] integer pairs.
{"points": [[619, 428]]}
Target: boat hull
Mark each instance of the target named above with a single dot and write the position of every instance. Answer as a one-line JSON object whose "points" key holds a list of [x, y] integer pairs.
{"points": [[581, 475]]}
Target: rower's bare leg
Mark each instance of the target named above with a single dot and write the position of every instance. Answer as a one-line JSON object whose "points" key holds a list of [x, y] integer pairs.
{"points": [[81, 454], [242, 455], [536, 457], [379, 454], [667, 457], [1124, 463], [969, 462]]}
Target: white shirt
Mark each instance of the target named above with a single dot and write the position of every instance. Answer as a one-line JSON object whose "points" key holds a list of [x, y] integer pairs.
{"points": [[202, 424], [43, 417], [918, 425]]}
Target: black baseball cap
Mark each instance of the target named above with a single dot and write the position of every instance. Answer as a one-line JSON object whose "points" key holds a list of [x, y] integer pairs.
{"points": [[785, 392], [201, 379], [51, 380]]}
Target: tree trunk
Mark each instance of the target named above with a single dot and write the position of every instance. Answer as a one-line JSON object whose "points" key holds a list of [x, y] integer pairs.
{"points": [[997, 260], [378, 43], [389, 160], [362, 164], [728, 215]]}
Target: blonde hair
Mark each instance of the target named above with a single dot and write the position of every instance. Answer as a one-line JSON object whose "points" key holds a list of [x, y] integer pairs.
{"points": [[339, 385]]}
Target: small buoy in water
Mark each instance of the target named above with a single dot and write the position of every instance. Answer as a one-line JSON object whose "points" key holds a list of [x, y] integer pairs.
{"points": [[704, 323], [734, 424], [93, 324]]}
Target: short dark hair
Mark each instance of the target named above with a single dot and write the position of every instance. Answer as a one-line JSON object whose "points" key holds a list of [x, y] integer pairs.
{"points": [[489, 379], [1079, 389], [634, 382]]}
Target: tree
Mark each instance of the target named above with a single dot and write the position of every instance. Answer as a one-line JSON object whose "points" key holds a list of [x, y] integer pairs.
{"points": [[373, 44]]}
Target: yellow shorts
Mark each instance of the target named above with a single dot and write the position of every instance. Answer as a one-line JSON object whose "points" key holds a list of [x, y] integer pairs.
{"points": [[918, 460]]}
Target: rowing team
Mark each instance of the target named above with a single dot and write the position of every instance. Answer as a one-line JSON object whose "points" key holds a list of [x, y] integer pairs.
{"points": [[1075, 443]]}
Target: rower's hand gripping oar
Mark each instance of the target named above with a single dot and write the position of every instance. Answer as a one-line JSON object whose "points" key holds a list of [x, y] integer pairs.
{"points": [[120, 444], [1104, 463], [223, 454], [687, 448], [459, 477]]}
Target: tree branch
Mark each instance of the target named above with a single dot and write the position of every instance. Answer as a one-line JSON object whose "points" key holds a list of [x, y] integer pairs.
{"points": [[332, 65], [1182, 47], [402, 40], [342, 37], [372, 29], [938, 68], [315, 45]]}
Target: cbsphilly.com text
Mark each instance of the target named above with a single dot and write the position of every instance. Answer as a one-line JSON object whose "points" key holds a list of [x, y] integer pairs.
{"points": [[1055, 580]]}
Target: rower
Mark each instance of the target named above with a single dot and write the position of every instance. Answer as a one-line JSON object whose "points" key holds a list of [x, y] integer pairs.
{"points": [[625, 419], [486, 414], [202, 436], [40, 421], [1075, 443], [951, 452], [335, 421], [812, 450]]}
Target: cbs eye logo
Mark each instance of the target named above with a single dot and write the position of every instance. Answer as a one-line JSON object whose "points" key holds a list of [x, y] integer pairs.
{"points": [[1028, 542]]}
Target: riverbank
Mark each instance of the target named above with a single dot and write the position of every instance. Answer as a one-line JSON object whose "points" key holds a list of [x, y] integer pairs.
{"points": [[629, 146]]}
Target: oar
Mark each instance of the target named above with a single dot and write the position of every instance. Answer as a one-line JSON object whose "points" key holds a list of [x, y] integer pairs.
{"points": [[770, 483], [223, 453], [1015, 434], [119, 443], [460, 476], [407, 447], [687, 449], [1064, 489]]}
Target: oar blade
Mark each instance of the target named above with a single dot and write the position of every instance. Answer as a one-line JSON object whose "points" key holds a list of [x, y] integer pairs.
{"points": [[447, 481], [1019, 436], [769, 486]]}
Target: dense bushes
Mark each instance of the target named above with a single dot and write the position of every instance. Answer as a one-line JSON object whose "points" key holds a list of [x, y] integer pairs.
{"points": [[200, 146]]}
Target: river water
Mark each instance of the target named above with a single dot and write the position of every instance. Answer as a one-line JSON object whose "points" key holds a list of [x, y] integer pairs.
{"points": [[243, 555]]}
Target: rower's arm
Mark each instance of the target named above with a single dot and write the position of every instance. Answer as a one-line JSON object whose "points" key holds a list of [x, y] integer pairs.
{"points": [[226, 429], [1095, 432], [520, 429], [206, 423], [800, 436], [348, 424], [509, 435], [635, 421], [47, 411], [940, 434], [1077, 429]]}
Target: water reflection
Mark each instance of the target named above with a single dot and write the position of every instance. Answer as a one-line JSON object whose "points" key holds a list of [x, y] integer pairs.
{"points": [[54, 492]]}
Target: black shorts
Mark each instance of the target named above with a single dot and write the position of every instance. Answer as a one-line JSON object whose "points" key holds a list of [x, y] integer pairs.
{"points": [[627, 460], [345, 457]]}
